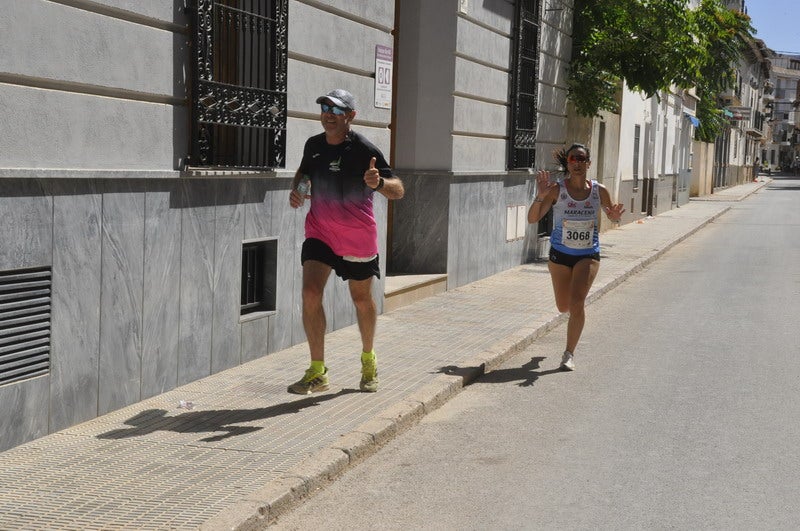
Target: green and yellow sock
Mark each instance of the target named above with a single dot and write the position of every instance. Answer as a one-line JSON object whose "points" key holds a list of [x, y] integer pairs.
{"points": [[368, 356], [318, 367]]}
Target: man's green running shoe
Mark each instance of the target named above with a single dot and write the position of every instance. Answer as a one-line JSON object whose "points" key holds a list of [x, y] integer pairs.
{"points": [[311, 382], [369, 376]]}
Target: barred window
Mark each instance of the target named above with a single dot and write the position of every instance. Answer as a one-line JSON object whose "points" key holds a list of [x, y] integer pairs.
{"points": [[239, 84], [259, 276], [522, 147]]}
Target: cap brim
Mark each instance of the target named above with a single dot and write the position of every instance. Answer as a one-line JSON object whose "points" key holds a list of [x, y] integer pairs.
{"points": [[335, 101]]}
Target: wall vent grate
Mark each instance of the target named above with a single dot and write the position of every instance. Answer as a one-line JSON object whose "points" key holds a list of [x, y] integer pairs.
{"points": [[25, 302]]}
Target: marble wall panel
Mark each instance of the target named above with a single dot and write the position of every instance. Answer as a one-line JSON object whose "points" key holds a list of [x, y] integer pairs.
{"points": [[161, 299], [486, 228], [456, 232], [477, 242], [254, 338], [77, 244], [196, 201], [420, 226], [517, 191], [258, 224], [467, 233], [493, 235], [286, 326], [24, 413], [26, 230], [121, 294], [294, 246], [228, 234]]}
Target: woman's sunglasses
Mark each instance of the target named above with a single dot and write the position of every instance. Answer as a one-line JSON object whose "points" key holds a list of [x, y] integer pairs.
{"points": [[577, 158], [338, 111]]}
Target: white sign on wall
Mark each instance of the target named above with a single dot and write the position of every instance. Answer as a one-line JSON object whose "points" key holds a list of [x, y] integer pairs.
{"points": [[383, 77]]}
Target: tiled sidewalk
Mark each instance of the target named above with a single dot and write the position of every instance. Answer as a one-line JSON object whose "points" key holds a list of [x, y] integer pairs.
{"points": [[244, 451]]}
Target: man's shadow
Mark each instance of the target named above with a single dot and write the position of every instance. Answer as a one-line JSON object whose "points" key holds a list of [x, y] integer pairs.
{"points": [[526, 375], [214, 420]]}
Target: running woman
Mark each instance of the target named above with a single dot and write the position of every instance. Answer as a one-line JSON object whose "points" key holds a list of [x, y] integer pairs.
{"points": [[574, 244]]}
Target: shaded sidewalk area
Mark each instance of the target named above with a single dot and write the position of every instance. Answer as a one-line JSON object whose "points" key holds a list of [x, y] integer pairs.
{"points": [[246, 450]]}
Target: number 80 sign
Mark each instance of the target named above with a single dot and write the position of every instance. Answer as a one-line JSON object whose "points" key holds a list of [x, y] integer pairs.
{"points": [[383, 77]]}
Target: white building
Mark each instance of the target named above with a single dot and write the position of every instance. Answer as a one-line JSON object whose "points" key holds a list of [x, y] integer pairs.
{"points": [[784, 144]]}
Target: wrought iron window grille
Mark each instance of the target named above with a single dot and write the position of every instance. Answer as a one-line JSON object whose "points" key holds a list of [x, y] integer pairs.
{"points": [[240, 51], [522, 148]]}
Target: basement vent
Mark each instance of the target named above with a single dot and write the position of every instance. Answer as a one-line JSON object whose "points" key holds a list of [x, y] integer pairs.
{"points": [[24, 324]]}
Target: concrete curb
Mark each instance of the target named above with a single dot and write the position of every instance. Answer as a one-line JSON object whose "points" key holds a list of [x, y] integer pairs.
{"points": [[262, 507]]}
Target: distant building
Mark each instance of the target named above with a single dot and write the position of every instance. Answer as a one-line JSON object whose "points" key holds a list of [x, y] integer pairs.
{"points": [[784, 144], [746, 108]]}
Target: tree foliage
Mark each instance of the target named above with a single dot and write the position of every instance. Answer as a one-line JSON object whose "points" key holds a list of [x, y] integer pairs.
{"points": [[655, 45]]}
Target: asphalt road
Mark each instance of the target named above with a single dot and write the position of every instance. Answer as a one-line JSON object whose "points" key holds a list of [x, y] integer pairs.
{"points": [[683, 413]]}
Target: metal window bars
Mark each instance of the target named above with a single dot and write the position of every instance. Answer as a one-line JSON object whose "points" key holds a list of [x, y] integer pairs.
{"points": [[239, 84], [252, 278], [522, 149]]}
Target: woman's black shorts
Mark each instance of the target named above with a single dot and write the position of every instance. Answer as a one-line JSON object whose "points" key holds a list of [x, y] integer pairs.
{"points": [[569, 260]]}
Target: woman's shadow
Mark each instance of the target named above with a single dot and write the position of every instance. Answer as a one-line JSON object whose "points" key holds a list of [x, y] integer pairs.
{"points": [[525, 375], [211, 421]]}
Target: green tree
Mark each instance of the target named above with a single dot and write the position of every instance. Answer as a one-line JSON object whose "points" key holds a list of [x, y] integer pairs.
{"points": [[722, 35], [655, 45]]}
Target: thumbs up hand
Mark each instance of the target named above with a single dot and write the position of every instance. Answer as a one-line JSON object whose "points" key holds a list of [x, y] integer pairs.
{"points": [[371, 177]]}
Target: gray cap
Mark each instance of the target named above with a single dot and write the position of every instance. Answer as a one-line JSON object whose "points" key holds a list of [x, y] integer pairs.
{"points": [[340, 98]]}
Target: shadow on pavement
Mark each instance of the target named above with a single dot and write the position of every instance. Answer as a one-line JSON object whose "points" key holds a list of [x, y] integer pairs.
{"points": [[215, 420], [526, 375]]}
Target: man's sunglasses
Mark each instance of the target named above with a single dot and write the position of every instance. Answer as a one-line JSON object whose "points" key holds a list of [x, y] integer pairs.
{"points": [[577, 158], [338, 111]]}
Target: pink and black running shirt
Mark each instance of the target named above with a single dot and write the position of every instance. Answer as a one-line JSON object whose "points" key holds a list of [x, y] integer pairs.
{"points": [[341, 213]]}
